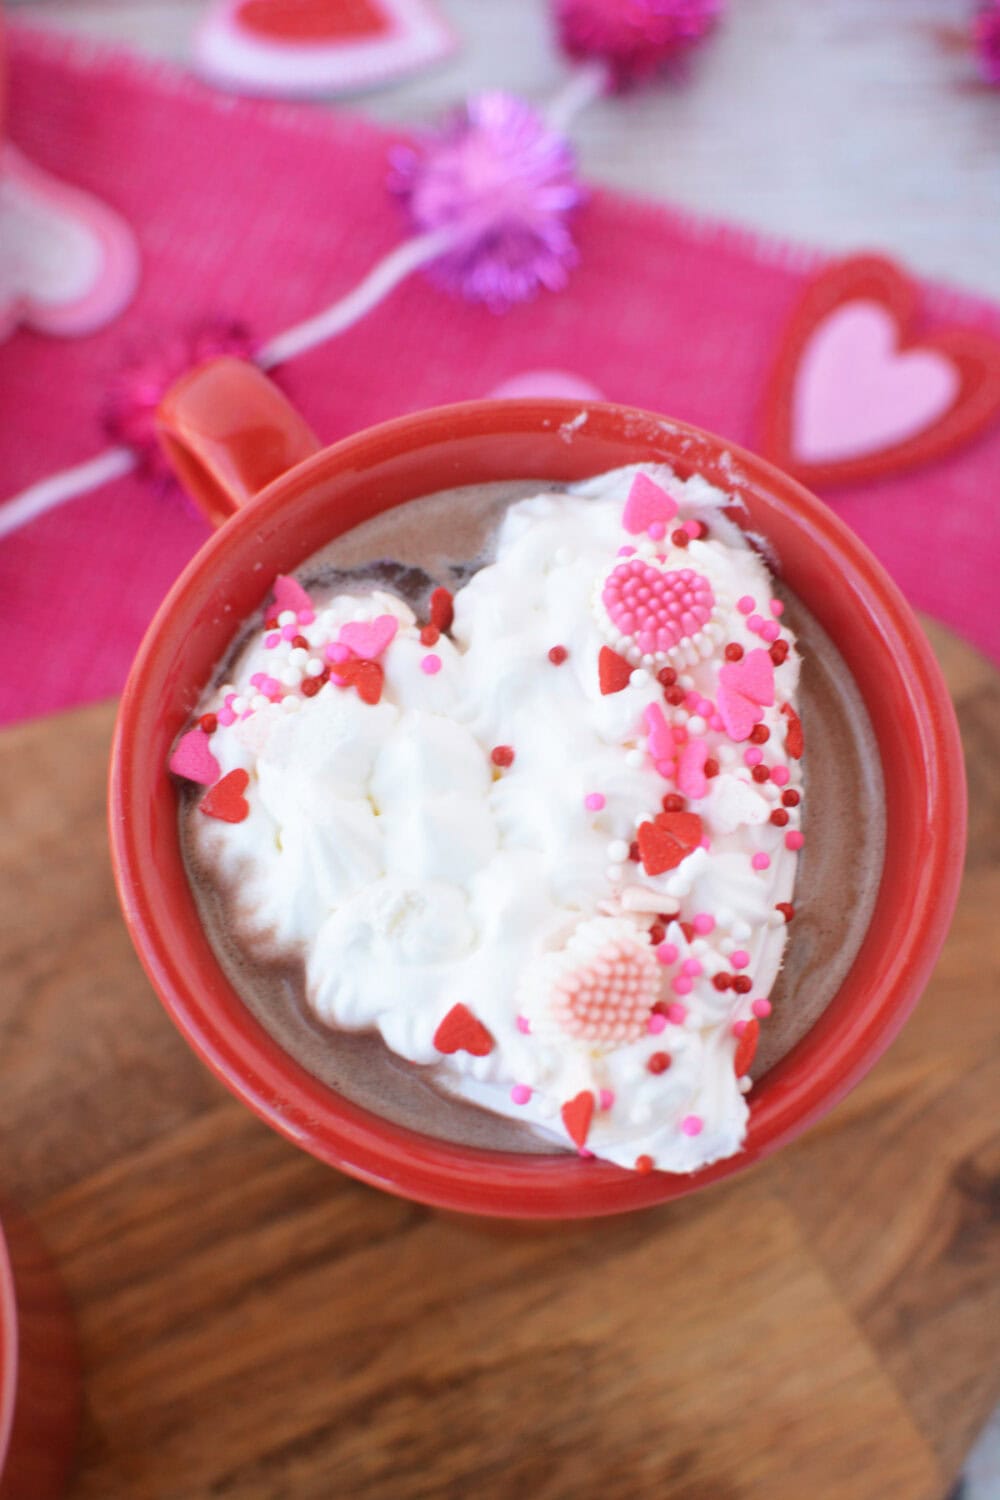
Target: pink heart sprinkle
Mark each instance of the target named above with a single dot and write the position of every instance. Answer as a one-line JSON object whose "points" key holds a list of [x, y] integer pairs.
{"points": [[289, 594], [654, 609], [691, 780], [647, 505], [746, 687], [369, 638], [610, 998], [193, 759]]}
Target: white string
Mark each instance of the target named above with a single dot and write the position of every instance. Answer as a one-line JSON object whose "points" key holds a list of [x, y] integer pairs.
{"points": [[584, 86], [66, 485]]}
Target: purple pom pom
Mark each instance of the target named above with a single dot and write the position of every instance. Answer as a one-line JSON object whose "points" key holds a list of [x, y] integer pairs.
{"points": [[986, 35], [635, 38], [508, 185], [140, 385]]}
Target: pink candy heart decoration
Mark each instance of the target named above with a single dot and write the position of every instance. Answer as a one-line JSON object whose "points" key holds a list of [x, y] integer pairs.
{"points": [[655, 610], [369, 638], [289, 594], [746, 688], [193, 759], [856, 392], [691, 780], [647, 505]]}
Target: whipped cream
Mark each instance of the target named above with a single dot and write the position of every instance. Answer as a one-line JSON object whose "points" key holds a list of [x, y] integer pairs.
{"points": [[549, 849]]}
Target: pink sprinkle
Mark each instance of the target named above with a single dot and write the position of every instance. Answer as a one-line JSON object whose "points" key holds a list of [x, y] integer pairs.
{"points": [[753, 756], [754, 623], [585, 1153], [431, 664], [770, 630], [761, 1008], [666, 768], [746, 605], [272, 640], [679, 735], [693, 529], [706, 707], [739, 1027], [258, 679], [606, 1098], [306, 616], [337, 651], [691, 967], [656, 1023], [593, 801], [523, 1025], [520, 1093], [761, 861], [225, 717], [794, 840], [716, 722], [702, 923], [693, 702], [677, 1014], [780, 775], [667, 953], [626, 551], [692, 1124], [656, 530], [776, 607], [740, 959], [289, 632], [706, 843], [681, 984]]}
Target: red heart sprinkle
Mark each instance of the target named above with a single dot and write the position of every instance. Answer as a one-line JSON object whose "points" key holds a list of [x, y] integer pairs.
{"points": [[613, 671], [442, 609], [366, 676], [577, 1115], [460, 1031], [746, 1047], [225, 799], [794, 738], [669, 839]]}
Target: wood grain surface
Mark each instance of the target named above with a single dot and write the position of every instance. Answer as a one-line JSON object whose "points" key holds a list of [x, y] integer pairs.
{"points": [[256, 1326]]}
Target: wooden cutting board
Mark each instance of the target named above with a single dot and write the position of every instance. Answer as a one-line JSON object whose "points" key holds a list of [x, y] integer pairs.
{"points": [[254, 1325]]}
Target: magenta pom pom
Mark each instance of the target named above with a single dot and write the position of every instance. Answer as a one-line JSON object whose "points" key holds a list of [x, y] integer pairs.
{"points": [[506, 183], [635, 38], [986, 35], [140, 385]]}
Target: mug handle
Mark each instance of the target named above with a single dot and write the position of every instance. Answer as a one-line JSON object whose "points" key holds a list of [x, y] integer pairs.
{"points": [[228, 432]]}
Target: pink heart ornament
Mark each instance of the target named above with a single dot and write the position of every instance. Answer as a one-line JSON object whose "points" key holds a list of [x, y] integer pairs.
{"points": [[647, 505], [746, 688], [856, 392], [652, 611], [369, 638], [193, 760]]}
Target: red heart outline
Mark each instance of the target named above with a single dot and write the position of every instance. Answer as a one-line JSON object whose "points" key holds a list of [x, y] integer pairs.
{"points": [[872, 278]]}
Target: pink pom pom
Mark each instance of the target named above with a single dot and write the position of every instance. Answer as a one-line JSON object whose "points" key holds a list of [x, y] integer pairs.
{"points": [[635, 38], [140, 385], [508, 185], [986, 36]]}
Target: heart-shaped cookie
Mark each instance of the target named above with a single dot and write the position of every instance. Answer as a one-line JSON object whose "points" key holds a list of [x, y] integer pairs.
{"points": [[609, 998], [649, 611], [369, 638], [855, 392], [299, 48]]}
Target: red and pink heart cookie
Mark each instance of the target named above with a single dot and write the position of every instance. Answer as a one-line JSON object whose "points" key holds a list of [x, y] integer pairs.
{"points": [[652, 614]]}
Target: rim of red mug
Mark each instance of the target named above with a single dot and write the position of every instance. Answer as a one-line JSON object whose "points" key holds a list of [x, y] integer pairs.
{"points": [[443, 1174], [8, 1351]]}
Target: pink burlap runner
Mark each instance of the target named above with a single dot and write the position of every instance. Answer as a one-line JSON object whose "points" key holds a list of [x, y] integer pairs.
{"points": [[269, 212]]}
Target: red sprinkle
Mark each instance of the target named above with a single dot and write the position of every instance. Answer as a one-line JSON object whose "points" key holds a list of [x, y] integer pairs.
{"points": [[672, 802], [300, 640], [710, 768], [745, 1048], [680, 537], [657, 933], [742, 984], [760, 774], [613, 671], [577, 1115], [557, 655], [791, 798], [786, 908], [722, 981], [644, 1165], [311, 687], [461, 1031], [209, 723], [502, 755], [666, 676], [659, 1062], [429, 635], [675, 696], [272, 623], [794, 740], [734, 651], [633, 851], [760, 734], [778, 652], [779, 817], [442, 609]]}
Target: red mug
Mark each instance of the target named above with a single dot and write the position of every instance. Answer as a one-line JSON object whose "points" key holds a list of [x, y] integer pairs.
{"points": [[39, 1370], [246, 455]]}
